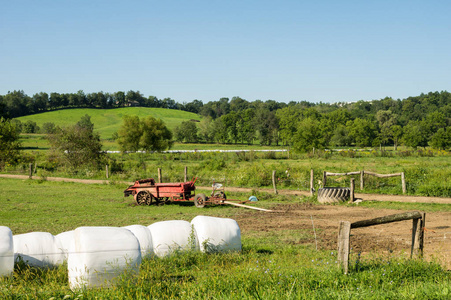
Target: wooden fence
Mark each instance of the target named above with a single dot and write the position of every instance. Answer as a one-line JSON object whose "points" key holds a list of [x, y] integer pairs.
{"points": [[312, 190], [344, 233], [362, 173]]}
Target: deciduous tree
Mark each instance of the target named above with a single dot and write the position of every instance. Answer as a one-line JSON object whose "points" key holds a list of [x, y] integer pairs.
{"points": [[9, 142], [148, 134], [186, 132], [363, 132], [155, 135], [77, 145], [415, 134], [441, 139], [308, 135]]}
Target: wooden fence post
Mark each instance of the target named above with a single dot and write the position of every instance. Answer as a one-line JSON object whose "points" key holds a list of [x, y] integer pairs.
{"points": [[418, 236], [414, 235], [324, 178], [30, 174], [159, 175], [421, 235], [344, 232], [311, 183], [274, 181], [186, 173], [361, 179], [107, 172], [403, 183], [352, 190]]}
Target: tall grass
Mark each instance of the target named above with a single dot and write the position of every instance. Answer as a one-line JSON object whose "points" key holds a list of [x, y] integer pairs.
{"points": [[293, 273]]}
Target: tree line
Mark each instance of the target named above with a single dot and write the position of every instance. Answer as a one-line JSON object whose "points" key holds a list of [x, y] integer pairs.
{"points": [[415, 122], [418, 121], [17, 103]]}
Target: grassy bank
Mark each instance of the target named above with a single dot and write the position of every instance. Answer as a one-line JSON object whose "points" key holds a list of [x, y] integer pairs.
{"points": [[108, 121]]}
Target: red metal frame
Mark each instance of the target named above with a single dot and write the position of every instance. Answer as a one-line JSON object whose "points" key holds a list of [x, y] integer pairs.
{"points": [[180, 191]]}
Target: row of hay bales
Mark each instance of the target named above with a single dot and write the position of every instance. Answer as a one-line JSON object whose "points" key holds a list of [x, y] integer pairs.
{"points": [[97, 255]]}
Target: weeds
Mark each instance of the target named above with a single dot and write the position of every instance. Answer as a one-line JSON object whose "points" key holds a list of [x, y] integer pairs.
{"points": [[304, 274]]}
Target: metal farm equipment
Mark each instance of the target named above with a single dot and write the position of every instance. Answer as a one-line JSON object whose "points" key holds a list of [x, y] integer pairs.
{"points": [[147, 192]]}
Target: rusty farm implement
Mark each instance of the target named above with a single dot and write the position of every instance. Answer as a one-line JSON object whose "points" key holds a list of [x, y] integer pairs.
{"points": [[148, 192]]}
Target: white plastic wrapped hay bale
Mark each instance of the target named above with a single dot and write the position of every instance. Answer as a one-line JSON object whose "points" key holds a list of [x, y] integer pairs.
{"points": [[65, 239], [99, 255], [6, 251], [172, 236], [144, 237], [38, 249], [217, 234]]}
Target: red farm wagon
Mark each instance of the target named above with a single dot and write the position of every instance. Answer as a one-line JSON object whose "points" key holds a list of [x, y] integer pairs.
{"points": [[147, 192]]}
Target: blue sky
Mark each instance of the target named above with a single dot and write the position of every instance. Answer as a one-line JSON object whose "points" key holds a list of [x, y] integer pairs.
{"points": [[325, 51]]}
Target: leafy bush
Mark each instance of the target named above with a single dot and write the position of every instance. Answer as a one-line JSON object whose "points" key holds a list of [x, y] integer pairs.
{"points": [[252, 174], [433, 190], [425, 153], [416, 177], [213, 164]]}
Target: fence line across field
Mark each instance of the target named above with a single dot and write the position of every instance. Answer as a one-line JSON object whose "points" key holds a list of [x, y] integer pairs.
{"points": [[274, 179]]}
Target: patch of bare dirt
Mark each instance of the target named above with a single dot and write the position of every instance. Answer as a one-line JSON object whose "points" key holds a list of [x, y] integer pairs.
{"points": [[392, 239]]}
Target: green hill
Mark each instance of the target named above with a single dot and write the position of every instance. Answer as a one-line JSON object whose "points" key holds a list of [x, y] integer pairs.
{"points": [[108, 121]]}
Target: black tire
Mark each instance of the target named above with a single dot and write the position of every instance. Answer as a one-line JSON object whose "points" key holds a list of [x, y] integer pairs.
{"points": [[221, 195], [334, 194], [199, 200]]}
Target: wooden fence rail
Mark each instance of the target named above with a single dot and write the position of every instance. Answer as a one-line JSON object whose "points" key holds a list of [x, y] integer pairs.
{"points": [[344, 233], [362, 173]]}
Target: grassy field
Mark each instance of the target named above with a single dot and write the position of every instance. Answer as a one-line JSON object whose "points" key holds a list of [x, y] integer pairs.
{"points": [[269, 266], [38, 142], [108, 121]]}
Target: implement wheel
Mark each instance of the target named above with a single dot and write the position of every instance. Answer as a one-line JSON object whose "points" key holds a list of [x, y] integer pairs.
{"points": [[199, 200], [221, 196], [150, 199], [144, 198]]}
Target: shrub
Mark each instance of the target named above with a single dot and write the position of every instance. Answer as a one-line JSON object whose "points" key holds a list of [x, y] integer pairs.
{"points": [[77, 145], [9, 143]]}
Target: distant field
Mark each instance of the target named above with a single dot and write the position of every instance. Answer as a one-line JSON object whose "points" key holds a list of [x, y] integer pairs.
{"points": [[38, 142], [108, 121]]}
